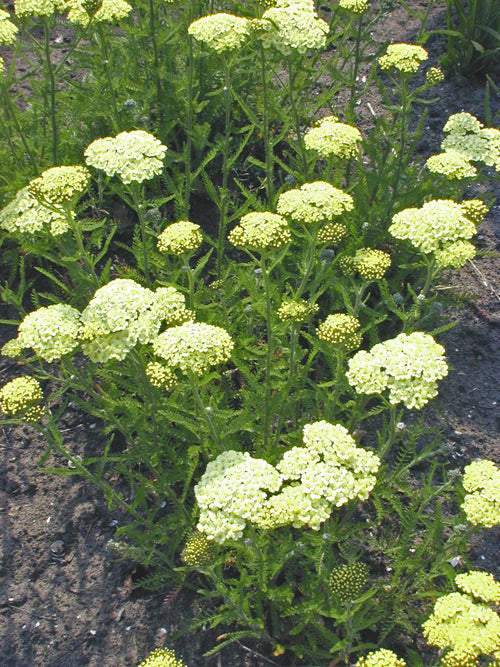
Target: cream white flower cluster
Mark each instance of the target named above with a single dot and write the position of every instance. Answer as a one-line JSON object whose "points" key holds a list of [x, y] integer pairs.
{"points": [[221, 32], [162, 657], [193, 347], [371, 263], [293, 25], [302, 490], [332, 232], [466, 628], [123, 313], [340, 329], [261, 230], [8, 30], [296, 311], [134, 156], [455, 254], [409, 366], [38, 7], [451, 164], [355, 6], [180, 237], [434, 75], [468, 136], [482, 502], [314, 202], [109, 10], [381, 658], [403, 57], [26, 215], [59, 185], [21, 398], [161, 376], [330, 137], [51, 332]]}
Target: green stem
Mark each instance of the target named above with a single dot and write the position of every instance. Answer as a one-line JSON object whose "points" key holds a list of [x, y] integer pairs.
{"points": [[296, 119], [52, 93], [283, 406], [156, 60], [405, 105], [269, 352], [189, 128], [339, 358], [85, 256], [115, 118], [224, 192], [190, 280], [352, 100], [309, 262], [268, 147], [135, 193], [203, 411]]}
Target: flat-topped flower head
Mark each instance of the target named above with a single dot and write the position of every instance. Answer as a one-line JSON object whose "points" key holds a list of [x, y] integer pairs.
{"points": [[371, 264], [194, 347], [161, 376], [330, 137], [479, 585], [260, 230], [434, 76], [134, 156], [354, 6], [314, 202], [296, 311], [180, 238], [8, 30], [409, 366], [162, 657], [340, 329], [348, 580], [474, 209], [403, 57], [451, 164], [294, 26], [332, 232], [26, 215], [51, 332], [198, 550], [481, 504], [455, 255], [108, 11], [433, 226], [221, 32], [60, 185], [24, 8], [381, 658], [468, 136], [21, 398]]}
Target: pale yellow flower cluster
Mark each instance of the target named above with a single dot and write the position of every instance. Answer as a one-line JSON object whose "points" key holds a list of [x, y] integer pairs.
{"points": [[60, 185], [296, 311], [8, 30], [480, 585], [474, 209], [293, 25], [370, 263], [316, 202], [451, 164], [332, 232], [21, 398], [434, 75], [51, 332], [330, 137], [109, 10], [381, 658], [468, 136], [38, 7], [482, 502], [161, 376], [180, 238], [456, 254], [355, 6], [409, 366], [340, 329], [162, 657], [26, 215], [261, 230], [198, 550], [403, 57], [221, 32], [134, 156]]}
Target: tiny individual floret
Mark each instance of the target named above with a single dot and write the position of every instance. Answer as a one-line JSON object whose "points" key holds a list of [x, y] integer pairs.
{"points": [[371, 264], [451, 164], [434, 76], [261, 230], [194, 347], [355, 6], [8, 30], [198, 550], [294, 26], [221, 32], [180, 238], [51, 332], [134, 156], [26, 215], [403, 57], [332, 232], [330, 137], [347, 581], [296, 311], [21, 398], [107, 11], [316, 202], [474, 209], [161, 376], [60, 185], [480, 585], [340, 329], [381, 658], [162, 657], [482, 502], [455, 255]]}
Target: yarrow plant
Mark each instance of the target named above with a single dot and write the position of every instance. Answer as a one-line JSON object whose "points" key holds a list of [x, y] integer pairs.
{"points": [[162, 657], [258, 231], [481, 482], [330, 137], [381, 658], [405, 58], [22, 398], [221, 32], [316, 202], [180, 238]]}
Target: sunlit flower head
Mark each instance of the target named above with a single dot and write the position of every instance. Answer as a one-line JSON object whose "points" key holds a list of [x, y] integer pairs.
{"points": [[108, 10], [314, 202], [180, 238], [332, 232], [451, 164], [355, 6], [51, 332], [38, 7], [26, 215], [296, 311], [340, 329], [481, 504], [455, 255], [468, 136], [381, 658], [403, 57], [474, 209], [8, 30], [294, 26], [161, 376], [434, 75], [221, 32], [198, 550], [22, 398], [59, 185], [135, 156], [330, 137], [479, 585], [261, 230], [371, 264], [162, 657]]}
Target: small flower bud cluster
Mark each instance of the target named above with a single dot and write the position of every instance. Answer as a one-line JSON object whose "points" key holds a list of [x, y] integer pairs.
{"points": [[409, 366], [198, 550], [135, 156], [482, 503], [381, 658], [474, 209], [8, 30], [80, 12], [355, 6], [161, 376], [466, 628], [347, 581], [221, 32], [403, 57], [21, 398], [468, 136], [51, 332], [434, 76], [162, 657], [332, 232], [314, 202], [26, 215], [59, 185], [296, 311], [180, 237], [456, 254], [294, 26], [260, 230], [451, 164], [330, 137], [371, 264], [340, 329], [194, 347]]}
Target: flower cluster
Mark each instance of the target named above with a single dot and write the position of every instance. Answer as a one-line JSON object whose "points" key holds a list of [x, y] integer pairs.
{"points": [[381, 658], [474, 209], [59, 185], [347, 581], [330, 137], [51, 332], [434, 226], [123, 313], [193, 347], [456, 254], [220, 32], [161, 376], [403, 57], [332, 232], [162, 657], [451, 164], [26, 215], [409, 366], [482, 502], [370, 263], [296, 311], [180, 237], [260, 230], [38, 7], [294, 25], [468, 136], [479, 585], [108, 10], [340, 329], [8, 30], [314, 202], [135, 156], [434, 75], [21, 398], [198, 550], [355, 6]]}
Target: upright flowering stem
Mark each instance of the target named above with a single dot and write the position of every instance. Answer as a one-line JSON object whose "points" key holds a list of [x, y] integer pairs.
{"points": [[355, 70], [190, 280], [202, 409], [309, 261], [78, 236], [296, 119], [224, 192], [156, 60], [189, 126], [405, 104], [265, 130], [115, 118], [137, 201], [52, 92], [269, 352], [283, 405]]}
